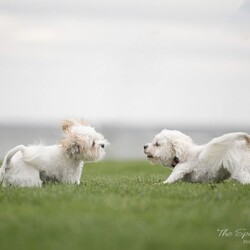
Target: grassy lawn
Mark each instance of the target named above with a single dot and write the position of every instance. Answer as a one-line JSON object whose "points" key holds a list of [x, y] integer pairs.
{"points": [[119, 205]]}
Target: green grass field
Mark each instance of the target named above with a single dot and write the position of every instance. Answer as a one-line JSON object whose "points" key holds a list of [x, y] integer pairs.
{"points": [[119, 205]]}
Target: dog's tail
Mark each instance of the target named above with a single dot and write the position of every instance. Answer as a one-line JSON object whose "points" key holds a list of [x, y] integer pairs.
{"points": [[225, 150], [7, 159]]}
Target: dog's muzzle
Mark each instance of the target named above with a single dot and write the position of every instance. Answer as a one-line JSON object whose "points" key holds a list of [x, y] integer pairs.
{"points": [[148, 155]]}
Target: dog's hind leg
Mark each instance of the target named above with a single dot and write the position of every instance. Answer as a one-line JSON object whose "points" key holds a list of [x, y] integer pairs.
{"points": [[22, 176], [242, 176], [241, 172]]}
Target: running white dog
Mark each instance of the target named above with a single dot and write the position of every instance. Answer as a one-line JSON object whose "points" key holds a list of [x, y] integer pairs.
{"points": [[223, 157], [31, 166]]}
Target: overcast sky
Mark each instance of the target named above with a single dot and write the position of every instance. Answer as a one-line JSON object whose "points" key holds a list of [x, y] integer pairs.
{"points": [[131, 61]]}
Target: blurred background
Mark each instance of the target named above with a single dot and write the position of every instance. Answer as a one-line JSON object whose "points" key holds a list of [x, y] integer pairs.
{"points": [[130, 67]]}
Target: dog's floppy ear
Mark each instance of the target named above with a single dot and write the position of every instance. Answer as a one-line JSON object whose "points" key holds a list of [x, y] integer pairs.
{"points": [[72, 144], [180, 150], [74, 150], [181, 144]]}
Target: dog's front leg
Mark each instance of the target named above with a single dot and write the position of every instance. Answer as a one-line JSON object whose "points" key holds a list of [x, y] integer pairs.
{"points": [[178, 174]]}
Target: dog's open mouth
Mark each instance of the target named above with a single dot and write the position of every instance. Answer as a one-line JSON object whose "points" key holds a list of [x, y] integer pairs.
{"points": [[150, 156]]}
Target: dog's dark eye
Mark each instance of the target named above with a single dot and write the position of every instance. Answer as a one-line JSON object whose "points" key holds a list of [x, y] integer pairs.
{"points": [[157, 144], [93, 144]]}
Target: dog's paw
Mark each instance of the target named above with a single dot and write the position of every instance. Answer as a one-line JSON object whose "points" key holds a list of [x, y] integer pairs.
{"points": [[167, 182]]}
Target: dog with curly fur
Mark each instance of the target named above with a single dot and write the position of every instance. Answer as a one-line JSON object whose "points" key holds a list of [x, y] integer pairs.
{"points": [[31, 166], [224, 157]]}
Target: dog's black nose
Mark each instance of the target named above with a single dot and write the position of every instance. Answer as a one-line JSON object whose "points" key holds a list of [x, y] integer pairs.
{"points": [[102, 145], [145, 146]]}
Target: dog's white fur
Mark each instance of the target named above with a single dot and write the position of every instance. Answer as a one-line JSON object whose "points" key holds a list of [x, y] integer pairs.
{"points": [[223, 157], [31, 166]]}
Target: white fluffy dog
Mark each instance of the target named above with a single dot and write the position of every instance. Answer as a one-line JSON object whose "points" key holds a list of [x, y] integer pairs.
{"points": [[223, 157], [31, 166]]}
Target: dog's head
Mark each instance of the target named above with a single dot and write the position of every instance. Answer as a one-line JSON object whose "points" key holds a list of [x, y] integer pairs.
{"points": [[82, 142], [168, 148]]}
